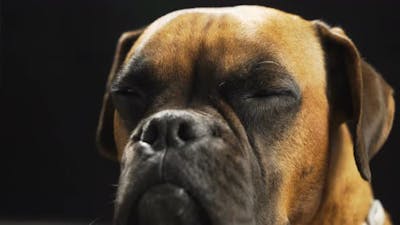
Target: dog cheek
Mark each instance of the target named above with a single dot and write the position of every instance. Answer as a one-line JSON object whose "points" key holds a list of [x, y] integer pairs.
{"points": [[121, 135], [267, 180], [306, 159]]}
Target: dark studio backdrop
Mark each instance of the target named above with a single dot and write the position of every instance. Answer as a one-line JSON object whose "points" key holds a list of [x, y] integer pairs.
{"points": [[55, 57]]}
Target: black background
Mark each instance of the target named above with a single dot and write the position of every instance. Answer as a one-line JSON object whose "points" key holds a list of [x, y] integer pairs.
{"points": [[55, 56]]}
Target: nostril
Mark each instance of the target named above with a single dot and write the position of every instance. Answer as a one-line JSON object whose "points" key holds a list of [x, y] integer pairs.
{"points": [[215, 132], [185, 132], [150, 133], [172, 130]]}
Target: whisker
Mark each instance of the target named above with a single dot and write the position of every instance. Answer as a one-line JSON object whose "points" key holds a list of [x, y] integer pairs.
{"points": [[95, 221]]}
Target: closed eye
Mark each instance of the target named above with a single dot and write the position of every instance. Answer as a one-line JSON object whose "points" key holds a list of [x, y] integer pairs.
{"points": [[271, 93], [127, 92]]}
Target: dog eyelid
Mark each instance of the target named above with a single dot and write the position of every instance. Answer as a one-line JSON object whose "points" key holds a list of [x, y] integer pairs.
{"points": [[126, 91], [269, 93]]}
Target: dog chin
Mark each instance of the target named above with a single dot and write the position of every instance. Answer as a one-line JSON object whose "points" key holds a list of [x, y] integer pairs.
{"points": [[187, 190], [167, 204]]}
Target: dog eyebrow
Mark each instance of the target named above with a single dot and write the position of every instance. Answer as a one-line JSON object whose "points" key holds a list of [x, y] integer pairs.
{"points": [[262, 74], [257, 68], [267, 65], [271, 73], [269, 62], [132, 73]]}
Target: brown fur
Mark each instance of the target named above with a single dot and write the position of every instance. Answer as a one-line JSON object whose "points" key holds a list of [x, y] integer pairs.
{"points": [[320, 180]]}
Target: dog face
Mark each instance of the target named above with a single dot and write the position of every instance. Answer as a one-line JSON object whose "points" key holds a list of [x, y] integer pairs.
{"points": [[225, 116]]}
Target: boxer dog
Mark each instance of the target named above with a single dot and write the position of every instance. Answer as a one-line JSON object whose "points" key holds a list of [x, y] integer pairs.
{"points": [[243, 116]]}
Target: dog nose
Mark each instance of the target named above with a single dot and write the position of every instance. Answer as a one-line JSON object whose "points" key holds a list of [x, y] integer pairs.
{"points": [[173, 128]]}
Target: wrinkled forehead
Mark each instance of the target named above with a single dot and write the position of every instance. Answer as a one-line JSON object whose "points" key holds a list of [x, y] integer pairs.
{"points": [[226, 39]]}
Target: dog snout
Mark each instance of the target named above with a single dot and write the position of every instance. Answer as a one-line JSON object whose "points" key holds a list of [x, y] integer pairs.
{"points": [[174, 128]]}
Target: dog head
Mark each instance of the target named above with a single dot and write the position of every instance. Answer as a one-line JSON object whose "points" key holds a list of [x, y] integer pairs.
{"points": [[225, 116]]}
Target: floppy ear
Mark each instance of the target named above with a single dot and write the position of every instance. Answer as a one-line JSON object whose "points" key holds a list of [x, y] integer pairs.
{"points": [[362, 96], [105, 128]]}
